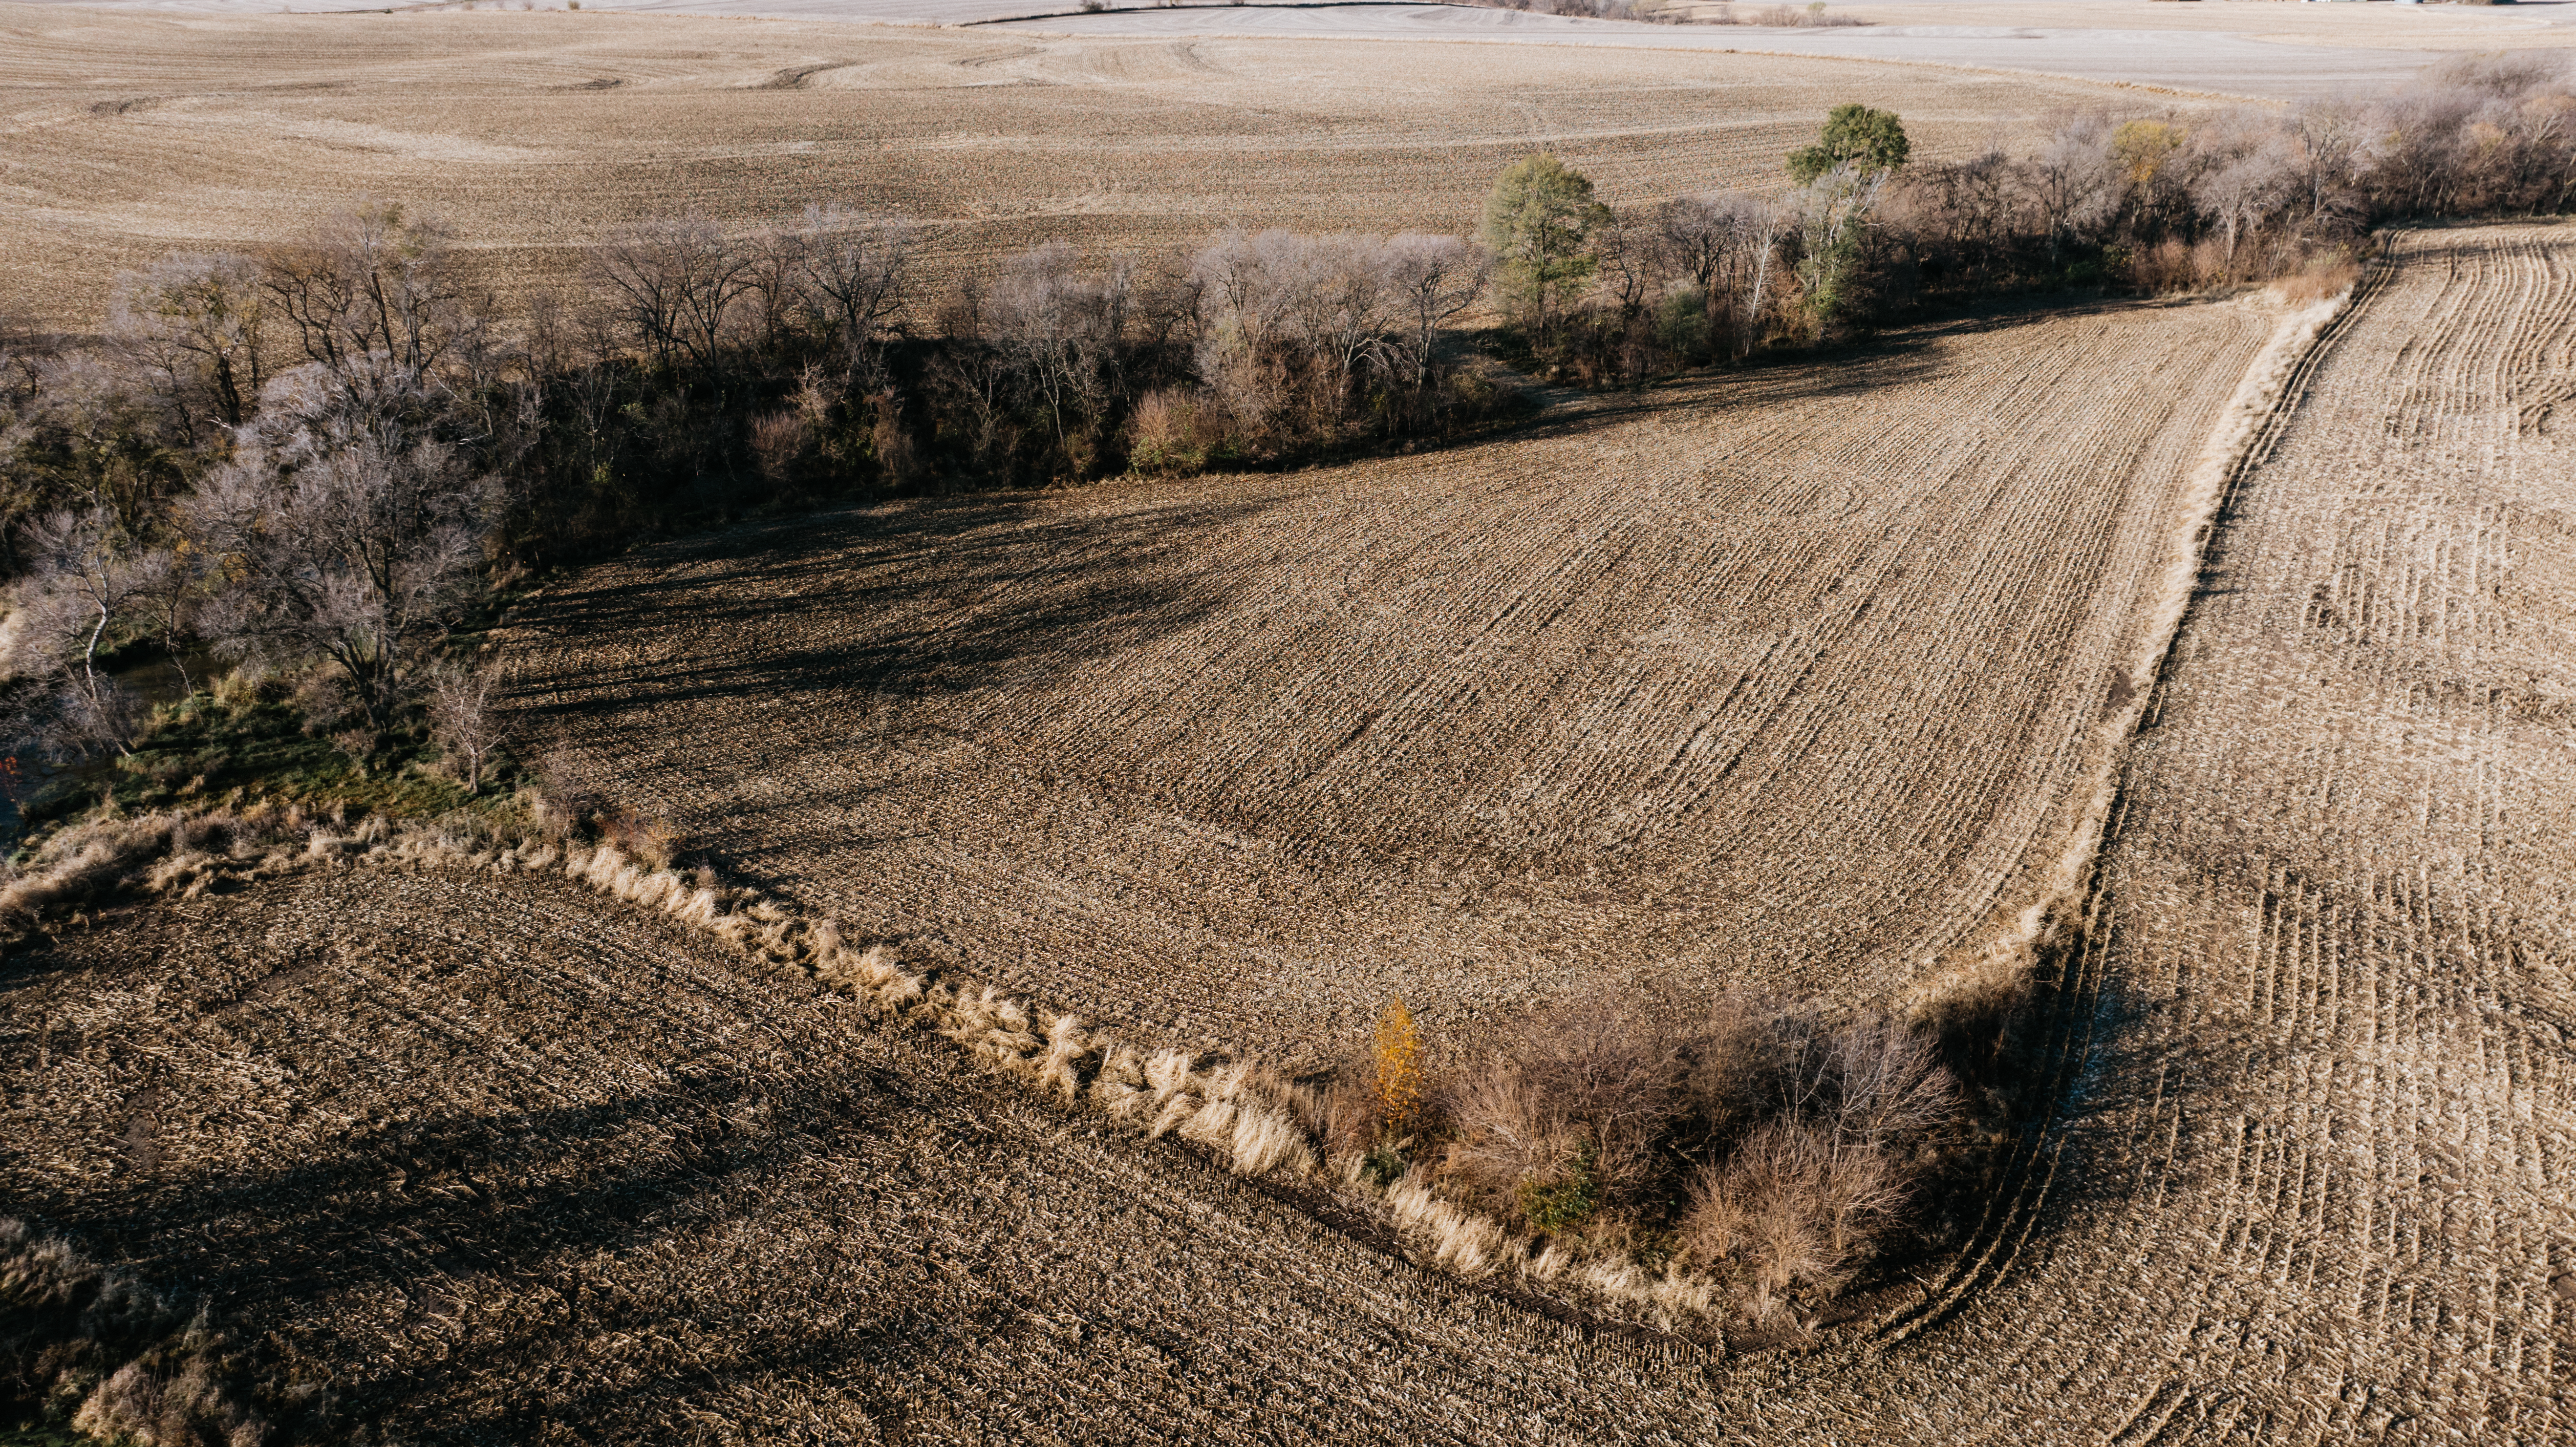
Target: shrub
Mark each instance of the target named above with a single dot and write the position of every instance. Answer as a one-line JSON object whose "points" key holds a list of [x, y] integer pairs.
{"points": [[1770, 1145], [1793, 1208], [1170, 432], [1566, 1199], [1570, 1110], [778, 444]]}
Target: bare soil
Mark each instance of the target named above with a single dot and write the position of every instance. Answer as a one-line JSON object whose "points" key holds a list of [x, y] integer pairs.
{"points": [[510, 1162], [504, 1162]]}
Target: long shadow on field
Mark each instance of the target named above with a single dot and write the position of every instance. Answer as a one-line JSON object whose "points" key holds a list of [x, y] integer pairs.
{"points": [[941, 596], [480, 1277]]}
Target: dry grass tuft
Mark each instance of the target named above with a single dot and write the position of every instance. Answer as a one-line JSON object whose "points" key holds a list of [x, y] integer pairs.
{"points": [[1565, 1117]]}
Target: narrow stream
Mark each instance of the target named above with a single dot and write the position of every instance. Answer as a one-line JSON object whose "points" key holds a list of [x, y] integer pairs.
{"points": [[156, 680]]}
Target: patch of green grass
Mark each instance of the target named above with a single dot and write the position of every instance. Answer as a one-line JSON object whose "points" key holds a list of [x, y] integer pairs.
{"points": [[251, 747]]}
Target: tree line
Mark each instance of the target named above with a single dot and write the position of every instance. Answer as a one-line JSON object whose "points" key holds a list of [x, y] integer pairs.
{"points": [[2138, 203], [318, 459]]}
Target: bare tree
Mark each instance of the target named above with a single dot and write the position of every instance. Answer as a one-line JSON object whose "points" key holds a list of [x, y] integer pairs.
{"points": [[1698, 233], [84, 574], [1631, 257], [774, 278], [854, 271], [1726, 242], [1287, 305], [1241, 278], [197, 324], [2248, 191], [463, 719], [168, 585], [350, 545], [1335, 303], [2074, 183], [1059, 326], [1885, 1086], [1833, 212], [674, 283], [1434, 279], [2329, 143], [372, 291]]}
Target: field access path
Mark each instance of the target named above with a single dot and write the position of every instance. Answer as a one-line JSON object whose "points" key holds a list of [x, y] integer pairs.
{"points": [[1793, 677]]}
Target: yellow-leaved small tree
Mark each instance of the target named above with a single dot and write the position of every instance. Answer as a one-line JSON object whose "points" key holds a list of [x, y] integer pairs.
{"points": [[1399, 1070]]}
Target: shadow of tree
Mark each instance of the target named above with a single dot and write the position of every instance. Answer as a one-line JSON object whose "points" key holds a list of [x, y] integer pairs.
{"points": [[1006, 580]]}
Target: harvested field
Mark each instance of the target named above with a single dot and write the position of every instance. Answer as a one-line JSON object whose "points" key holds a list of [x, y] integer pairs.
{"points": [[2264, 50], [2316, 1187], [506, 1162], [127, 137], [2108, 43], [1800, 677], [510, 1162]]}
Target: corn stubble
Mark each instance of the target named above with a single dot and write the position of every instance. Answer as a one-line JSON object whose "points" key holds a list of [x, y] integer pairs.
{"points": [[1831, 669], [436, 1124], [1798, 680]]}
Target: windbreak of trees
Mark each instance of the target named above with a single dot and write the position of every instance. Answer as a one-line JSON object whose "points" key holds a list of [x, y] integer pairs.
{"points": [[315, 460], [2141, 203]]}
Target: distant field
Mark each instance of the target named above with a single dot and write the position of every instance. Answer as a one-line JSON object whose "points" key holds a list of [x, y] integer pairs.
{"points": [[2258, 51], [1789, 677], [127, 136], [2263, 50]]}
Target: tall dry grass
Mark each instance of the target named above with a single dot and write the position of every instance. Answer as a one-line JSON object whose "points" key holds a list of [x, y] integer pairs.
{"points": [[1679, 1167], [111, 1357]]}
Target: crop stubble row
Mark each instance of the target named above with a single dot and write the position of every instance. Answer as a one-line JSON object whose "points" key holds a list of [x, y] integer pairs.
{"points": [[2312, 1186], [1778, 678], [2314, 1181], [505, 1161]]}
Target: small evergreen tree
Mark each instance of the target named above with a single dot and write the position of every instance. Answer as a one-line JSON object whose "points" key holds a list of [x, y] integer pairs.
{"points": [[1872, 141]]}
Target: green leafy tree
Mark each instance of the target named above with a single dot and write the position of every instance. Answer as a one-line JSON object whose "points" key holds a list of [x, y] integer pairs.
{"points": [[1870, 141], [1539, 223]]}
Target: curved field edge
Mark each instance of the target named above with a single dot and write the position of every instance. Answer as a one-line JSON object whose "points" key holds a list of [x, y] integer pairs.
{"points": [[1245, 1112], [2308, 1183], [494, 1156], [1795, 680], [2051, 934]]}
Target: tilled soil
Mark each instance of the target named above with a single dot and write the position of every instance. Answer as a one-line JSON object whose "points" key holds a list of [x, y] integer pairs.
{"points": [[509, 1162], [2313, 1183], [504, 1162], [1787, 678]]}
